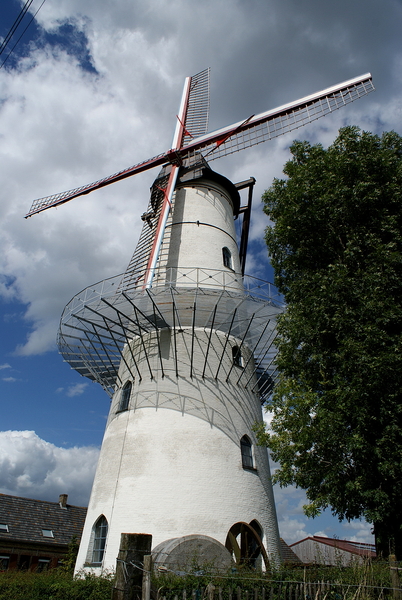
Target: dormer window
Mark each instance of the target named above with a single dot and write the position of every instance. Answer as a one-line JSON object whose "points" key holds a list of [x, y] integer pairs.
{"points": [[47, 533], [227, 258], [4, 527], [125, 396]]}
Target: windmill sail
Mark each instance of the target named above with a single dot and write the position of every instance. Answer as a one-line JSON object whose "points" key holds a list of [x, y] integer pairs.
{"points": [[196, 123], [228, 140], [281, 120]]}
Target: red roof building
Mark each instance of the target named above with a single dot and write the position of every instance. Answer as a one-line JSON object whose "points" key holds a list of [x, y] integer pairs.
{"points": [[330, 551]]}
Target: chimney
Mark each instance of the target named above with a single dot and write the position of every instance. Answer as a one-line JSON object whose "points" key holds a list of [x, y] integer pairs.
{"points": [[63, 500]]}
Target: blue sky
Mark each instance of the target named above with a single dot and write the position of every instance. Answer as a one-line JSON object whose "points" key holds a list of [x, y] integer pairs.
{"points": [[93, 87]]}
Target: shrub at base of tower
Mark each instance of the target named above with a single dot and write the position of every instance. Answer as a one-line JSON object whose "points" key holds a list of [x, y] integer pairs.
{"points": [[336, 247]]}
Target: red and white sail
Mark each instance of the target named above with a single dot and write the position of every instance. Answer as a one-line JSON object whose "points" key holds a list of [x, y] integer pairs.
{"points": [[238, 136]]}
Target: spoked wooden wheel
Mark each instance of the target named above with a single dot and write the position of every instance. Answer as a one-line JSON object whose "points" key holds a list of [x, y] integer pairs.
{"points": [[245, 545]]}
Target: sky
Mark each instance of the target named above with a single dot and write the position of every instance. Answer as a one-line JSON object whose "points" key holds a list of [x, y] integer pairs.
{"points": [[94, 86]]}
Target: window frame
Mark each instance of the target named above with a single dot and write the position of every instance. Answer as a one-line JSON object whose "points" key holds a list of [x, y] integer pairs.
{"points": [[237, 356], [100, 530], [125, 396], [246, 449], [49, 533], [227, 258]]}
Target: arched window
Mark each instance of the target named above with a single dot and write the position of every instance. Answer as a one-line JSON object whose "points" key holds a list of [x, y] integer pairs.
{"points": [[100, 535], [237, 357], [227, 258], [125, 396], [246, 452]]}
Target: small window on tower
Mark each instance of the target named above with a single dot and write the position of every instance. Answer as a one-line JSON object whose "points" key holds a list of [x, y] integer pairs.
{"points": [[100, 535], [246, 453], [227, 258], [237, 357], [125, 396]]}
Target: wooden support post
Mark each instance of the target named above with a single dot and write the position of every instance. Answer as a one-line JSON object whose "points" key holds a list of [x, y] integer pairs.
{"points": [[395, 581], [146, 579], [130, 566]]}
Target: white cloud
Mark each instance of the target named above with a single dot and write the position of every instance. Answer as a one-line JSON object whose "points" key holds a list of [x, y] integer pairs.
{"points": [[76, 390], [5, 366], [61, 126], [9, 379], [33, 468]]}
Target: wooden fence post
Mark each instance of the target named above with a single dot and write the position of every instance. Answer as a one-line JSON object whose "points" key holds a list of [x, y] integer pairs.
{"points": [[146, 578], [129, 566], [395, 581]]}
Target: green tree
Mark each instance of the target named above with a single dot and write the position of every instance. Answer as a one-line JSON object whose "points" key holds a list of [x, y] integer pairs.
{"points": [[336, 247]]}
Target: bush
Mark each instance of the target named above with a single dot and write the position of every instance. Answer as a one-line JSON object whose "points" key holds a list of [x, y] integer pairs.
{"points": [[54, 585]]}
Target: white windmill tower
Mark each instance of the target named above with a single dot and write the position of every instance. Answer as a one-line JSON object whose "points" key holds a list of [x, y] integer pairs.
{"points": [[183, 344]]}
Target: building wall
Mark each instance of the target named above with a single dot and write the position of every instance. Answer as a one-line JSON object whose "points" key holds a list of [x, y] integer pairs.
{"points": [[200, 225], [171, 464], [311, 551]]}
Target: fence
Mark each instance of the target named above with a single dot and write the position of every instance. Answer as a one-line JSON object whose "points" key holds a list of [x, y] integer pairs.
{"points": [[280, 590]]}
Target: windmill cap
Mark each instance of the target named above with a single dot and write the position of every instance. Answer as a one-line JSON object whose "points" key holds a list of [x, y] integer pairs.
{"points": [[204, 173]]}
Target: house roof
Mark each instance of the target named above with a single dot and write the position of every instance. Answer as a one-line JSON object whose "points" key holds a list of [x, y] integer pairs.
{"points": [[28, 519], [358, 548], [288, 556]]}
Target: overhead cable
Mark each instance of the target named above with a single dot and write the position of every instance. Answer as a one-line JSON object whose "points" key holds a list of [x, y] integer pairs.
{"points": [[14, 27]]}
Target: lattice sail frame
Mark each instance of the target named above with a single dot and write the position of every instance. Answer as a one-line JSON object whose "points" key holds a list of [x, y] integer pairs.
{"points": [[252, 131]]}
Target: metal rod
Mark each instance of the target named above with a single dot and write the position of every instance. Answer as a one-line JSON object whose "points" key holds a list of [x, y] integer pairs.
{"points": [[131, 352], [102, 316], [246, 221], [120, 351], [116, 374], [159, 345], [174, 336], [119, 312], [143, 346], [209, 340], [107, 354], [260, 362], [253, 351], [226, 341], [240, 347], [192, 340], [155, 307]]}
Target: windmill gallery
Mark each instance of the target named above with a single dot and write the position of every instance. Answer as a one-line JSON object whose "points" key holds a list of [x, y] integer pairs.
{"points": [[183, 342]]}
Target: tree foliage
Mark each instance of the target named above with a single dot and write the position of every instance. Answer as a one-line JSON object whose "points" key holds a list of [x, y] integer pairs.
{"points": [[336, 247]]}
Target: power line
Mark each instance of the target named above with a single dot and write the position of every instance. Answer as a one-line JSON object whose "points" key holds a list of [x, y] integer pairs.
{"points": [[14, 28], [15, 25]]}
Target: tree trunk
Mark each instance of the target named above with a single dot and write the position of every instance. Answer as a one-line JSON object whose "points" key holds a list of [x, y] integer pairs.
{"points": [[388, 538]]}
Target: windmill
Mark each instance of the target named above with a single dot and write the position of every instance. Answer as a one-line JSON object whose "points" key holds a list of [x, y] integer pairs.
{"points": [[183, 342]]}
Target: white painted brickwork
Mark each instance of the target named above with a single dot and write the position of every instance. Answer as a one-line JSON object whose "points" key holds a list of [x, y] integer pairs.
{"points": [[171, 464]]}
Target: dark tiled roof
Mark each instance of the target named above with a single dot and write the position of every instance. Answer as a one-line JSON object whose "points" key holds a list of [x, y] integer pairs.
{"points": [[26, 518], [288, 556]]}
